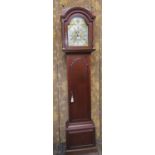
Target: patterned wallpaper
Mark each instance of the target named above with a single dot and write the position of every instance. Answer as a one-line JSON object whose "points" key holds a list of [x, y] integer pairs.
{"points": [[60, 105]]}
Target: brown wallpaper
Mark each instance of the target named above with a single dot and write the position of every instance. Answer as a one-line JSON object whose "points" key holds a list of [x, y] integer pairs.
{"points": [[60, 105]]}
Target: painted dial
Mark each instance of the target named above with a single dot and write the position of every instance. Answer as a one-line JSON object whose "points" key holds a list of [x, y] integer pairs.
{"points": [[77, 32]]}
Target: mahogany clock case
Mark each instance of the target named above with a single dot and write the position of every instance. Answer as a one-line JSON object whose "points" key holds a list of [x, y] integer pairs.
{"points": [[80, 129]]}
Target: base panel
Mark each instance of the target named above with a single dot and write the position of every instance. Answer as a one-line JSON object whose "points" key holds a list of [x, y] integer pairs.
{"points": [[80, 135]]}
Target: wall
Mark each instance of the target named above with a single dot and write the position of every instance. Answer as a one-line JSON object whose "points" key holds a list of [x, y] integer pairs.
{"points": [[60, 105]]}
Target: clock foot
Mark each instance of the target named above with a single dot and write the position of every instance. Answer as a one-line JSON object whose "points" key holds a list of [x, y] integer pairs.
{"points": [[80, 135]]}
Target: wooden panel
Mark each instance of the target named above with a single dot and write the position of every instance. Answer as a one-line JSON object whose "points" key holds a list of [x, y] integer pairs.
{"points": [[80, 138], [79, 87]]}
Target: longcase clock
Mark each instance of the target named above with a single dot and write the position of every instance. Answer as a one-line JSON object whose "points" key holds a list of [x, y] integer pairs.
{"points": [[77, 43]]}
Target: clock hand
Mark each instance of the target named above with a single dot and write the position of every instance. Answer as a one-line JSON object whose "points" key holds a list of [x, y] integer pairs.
{"points": [[76, 32]]}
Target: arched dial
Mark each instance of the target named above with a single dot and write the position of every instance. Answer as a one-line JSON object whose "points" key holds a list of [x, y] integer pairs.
{"points": [[77, 32]]}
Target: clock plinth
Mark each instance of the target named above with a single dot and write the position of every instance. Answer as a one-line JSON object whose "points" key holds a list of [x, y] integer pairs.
{"points": [[77, 43], [80, 135]]}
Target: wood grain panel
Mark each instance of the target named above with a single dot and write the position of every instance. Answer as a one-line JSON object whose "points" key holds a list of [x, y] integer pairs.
{"points": [[79, 87]]}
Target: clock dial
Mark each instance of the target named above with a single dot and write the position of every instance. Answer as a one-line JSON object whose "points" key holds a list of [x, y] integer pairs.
{"points": [[77, 32]]}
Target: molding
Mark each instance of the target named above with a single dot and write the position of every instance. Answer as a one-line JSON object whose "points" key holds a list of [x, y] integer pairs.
{"points": [[78, 51], [69, 12]]}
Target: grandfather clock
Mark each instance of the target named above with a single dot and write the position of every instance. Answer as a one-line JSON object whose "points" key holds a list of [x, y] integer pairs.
{"points": [[77, 43]]}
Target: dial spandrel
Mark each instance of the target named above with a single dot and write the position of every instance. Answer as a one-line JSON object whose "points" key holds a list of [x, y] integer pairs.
{"points": [[77, 32]]}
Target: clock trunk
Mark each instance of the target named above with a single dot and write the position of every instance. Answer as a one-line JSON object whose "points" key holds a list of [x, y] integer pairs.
{"points": [[79, 88], [80, 130]]}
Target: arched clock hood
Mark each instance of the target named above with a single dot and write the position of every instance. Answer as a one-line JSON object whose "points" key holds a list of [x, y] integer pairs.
{"points": [[66, 17]]}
